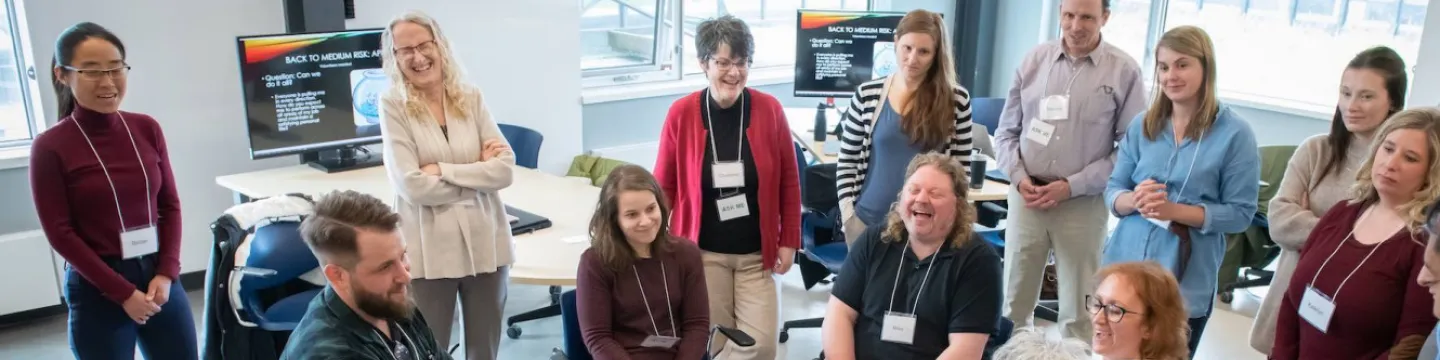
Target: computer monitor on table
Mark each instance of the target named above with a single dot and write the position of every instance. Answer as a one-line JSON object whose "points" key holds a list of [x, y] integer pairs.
{"points": [[836, 51], [313, 94]]}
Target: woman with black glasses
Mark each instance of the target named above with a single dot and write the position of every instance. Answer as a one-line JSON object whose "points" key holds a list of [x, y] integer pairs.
{"points": [[1144, 316], [106, 199]]}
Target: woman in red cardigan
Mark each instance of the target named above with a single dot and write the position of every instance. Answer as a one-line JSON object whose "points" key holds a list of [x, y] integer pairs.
{"points": [[727, 165]]}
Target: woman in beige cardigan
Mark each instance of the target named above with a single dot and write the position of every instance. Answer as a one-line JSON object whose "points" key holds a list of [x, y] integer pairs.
{"points": [[1323, 169], [447, 161]]}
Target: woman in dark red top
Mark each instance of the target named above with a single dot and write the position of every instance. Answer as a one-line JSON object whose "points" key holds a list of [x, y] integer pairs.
{"points": [[1352, 296], [640, 292], [727, 163], [106, 199]]}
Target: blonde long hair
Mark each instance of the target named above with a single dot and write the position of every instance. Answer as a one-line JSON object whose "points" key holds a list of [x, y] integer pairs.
{"points": [[451, 74], [964, 212], [1423, 119], [929, 118], [1191, 41]]}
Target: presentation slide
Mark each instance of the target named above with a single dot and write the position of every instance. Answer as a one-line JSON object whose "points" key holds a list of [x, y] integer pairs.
{"points": [[311, 91], [836, 51]]}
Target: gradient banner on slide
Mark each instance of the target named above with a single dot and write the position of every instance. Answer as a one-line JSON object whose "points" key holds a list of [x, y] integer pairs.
{"points": [[310, 91], [836, 51]]}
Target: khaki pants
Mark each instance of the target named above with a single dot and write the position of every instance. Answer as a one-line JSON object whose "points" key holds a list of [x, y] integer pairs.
{"points": [[482, 304], [743, 295], [1075, 230]]}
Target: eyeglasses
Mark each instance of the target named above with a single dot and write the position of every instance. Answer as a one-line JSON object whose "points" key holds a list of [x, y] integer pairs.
{"points": [[427, 47], [727, 64], [1113, 312], [100, 74]]}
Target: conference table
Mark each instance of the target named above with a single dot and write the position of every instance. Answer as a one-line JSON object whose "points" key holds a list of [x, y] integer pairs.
{"points": [[802, 129], [548, 257]]}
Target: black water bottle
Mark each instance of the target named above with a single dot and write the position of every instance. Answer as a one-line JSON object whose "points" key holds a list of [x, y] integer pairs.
{"points": [[820, 122], [977, 174]]}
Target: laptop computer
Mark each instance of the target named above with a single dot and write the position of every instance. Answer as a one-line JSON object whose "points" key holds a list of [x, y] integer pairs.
{"points": [[522, 222]]}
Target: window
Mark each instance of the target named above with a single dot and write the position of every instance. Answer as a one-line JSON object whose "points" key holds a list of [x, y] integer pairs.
{"points": [[1286, 52], [625, 41], [16, 125]]}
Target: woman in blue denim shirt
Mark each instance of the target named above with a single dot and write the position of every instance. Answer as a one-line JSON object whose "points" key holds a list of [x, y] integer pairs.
{"points": [[1187, 172]]}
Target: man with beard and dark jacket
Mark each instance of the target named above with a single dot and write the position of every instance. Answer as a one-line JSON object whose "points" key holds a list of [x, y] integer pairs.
{"points": [[365, 312]]}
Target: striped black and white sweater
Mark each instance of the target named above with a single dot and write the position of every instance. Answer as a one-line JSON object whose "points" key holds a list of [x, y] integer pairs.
{"points": [[859, 123]]}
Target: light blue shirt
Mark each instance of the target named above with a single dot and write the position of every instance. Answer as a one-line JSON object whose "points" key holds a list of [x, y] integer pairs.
{"points": [[1225, 181]]}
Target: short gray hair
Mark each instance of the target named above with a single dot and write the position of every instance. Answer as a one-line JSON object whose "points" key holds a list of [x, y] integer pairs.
{"points": [[728, 30], [1031, 344]]}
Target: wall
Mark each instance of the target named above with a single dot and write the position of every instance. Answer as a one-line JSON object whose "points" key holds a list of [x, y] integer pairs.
{"points": [[524, 55], [1425, 80], [185, 76]]}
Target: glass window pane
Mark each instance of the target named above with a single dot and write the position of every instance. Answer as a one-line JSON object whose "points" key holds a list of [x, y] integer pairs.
{"points": [[14, 120], [617, 33], [772, 22], [1263, 56], [1129, 20]]}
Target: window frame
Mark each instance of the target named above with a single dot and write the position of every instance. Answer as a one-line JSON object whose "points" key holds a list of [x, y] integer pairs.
{"points": [[26, 73], [674, 67]]}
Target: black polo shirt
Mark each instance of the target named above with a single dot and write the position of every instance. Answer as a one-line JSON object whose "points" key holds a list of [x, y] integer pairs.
{"points": [[962, 295]]}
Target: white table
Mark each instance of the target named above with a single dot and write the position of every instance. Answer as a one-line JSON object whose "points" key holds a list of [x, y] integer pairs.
{"points": [[802, 128], [545, 257]]}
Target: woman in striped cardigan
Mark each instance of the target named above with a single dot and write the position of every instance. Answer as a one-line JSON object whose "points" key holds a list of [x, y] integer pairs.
{"points": [[891, 120]]}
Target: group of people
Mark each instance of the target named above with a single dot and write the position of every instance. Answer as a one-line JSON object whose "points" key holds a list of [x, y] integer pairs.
{"points": [[727, 223]]}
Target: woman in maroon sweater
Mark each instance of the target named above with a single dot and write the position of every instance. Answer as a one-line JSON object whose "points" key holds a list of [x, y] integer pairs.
{"points": [[727, 164], [640, 291], [106, 199], [1352, 296]]}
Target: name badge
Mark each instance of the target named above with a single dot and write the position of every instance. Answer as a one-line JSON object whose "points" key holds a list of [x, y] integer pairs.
{"points": [[898, 328], [139, 242], [1316, 309], [1163, 224], [660, 342], [733, 206], [1040, 132], [728, 174], [1055, 107]]}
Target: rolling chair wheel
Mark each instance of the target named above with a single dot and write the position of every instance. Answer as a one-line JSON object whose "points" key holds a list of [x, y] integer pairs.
{"points": [[1227, 297], [513, 332], [784, 336]]}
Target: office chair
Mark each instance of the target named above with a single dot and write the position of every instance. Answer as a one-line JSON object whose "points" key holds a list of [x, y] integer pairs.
{"points": [[573, 346], [820, 240], [1247, 253], [986, 111], [277, 257], [525, 142]]}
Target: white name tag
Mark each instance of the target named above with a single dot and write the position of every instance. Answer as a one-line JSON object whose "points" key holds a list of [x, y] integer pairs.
{"points": [[1316, 309], [139, 242], [660, 342], [1055, 107], [1163, 224], [733, 206], [728, 174], [1040, 132], [898, 328]]}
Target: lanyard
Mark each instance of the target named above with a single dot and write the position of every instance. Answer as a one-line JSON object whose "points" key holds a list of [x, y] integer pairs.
{"points": [[1075, 70], [922, 280], [1336, 295], [740, 145], [1186, 183], [665, 278], [148, 206], [405, 340]]}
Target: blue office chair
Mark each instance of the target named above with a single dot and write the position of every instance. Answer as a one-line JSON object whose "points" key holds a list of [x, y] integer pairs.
{"points": [[820, 238], [986, 111], [270, 288], [574, 348], [525, 142]]}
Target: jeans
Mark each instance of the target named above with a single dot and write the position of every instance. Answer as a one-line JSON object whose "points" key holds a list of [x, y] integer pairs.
{"points": [[101, 330], [1197, 327]]}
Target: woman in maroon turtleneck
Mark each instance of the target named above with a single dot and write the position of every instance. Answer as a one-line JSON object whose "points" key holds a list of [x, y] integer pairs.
{"points": [[106, 198]]}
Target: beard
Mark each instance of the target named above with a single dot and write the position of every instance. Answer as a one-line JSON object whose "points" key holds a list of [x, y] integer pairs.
{"points": [[380, 305]]}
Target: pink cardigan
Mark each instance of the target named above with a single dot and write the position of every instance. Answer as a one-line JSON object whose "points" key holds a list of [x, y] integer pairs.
{"points": [[682, 153]]}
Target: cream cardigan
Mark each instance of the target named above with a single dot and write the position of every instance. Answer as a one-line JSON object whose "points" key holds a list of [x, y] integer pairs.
{"points": [[454, 225]]}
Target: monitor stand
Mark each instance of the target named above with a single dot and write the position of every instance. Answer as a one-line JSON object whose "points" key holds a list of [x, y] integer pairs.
{"points": [[339, 160]]}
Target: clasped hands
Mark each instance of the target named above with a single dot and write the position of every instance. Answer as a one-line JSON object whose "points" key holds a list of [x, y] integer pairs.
{"points": [[1044, 197], [1152, 201], [492, 148], [140, 306]]}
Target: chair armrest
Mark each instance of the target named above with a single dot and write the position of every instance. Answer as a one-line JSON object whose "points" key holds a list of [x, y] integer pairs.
{"points": [[989, 214]]}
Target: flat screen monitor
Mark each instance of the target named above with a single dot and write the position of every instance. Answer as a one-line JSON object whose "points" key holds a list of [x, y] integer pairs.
{"points": [[309, 92], [836, 51]]}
